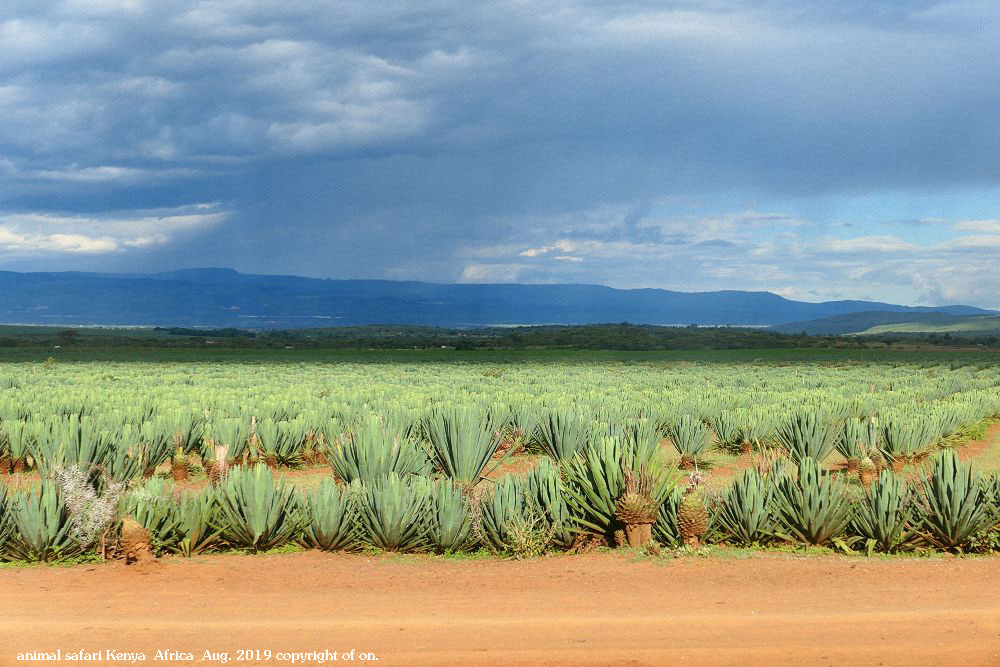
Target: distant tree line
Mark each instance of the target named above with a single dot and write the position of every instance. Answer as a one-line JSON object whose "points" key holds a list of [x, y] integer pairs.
{"points": [[622, 336]]}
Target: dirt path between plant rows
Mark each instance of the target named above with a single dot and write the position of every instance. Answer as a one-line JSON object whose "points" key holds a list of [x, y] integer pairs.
{"points": [[972, 449], [968, 451], [596, 609]]}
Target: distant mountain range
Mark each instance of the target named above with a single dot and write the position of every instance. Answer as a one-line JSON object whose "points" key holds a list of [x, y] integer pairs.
{"points": [[226, 298]]}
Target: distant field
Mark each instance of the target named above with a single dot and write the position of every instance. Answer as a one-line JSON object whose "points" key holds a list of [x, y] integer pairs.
{"points": [[885, 322], [980, 323]]}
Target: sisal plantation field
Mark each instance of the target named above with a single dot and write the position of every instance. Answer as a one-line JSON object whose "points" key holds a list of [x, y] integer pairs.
{"points": [[603, 508], [516, 457]]}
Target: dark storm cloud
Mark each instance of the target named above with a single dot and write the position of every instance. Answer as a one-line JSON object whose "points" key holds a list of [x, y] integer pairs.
{"points": [[445, 140]]}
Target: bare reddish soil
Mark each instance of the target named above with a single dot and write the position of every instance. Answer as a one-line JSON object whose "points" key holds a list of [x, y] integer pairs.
{"points": [[567, 610], [974, 448]]}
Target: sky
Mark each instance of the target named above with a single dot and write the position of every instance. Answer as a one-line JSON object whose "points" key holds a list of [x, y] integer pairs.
{"points": [[819, 150]]}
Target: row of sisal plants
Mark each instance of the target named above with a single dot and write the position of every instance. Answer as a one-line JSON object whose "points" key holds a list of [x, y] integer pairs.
{"points": [[426, 486], [132, 443], [408, 462], [316, 392]]}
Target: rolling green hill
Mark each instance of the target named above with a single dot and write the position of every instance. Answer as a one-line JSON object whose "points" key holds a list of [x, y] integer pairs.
{"points": [[885, 322], [976, 324]]}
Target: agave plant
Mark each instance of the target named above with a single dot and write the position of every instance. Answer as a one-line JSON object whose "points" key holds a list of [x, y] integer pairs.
{"points": [[545, 489], [152, 506], [665, 530], [636, 509], [186, 430], [330, 518], [7, 525], [510, 523], [270, 438], [371, 451], [255, 511], [991, 491], [690, 438], [858, 439], [758, 429], [806, 435], [907, 437], [282, 443], [198, 526], [562, 433], [642, 440], [526, 420], [393, 512], [884, 519], [728, 429], [233, 433], [73, 440], [18, 440], [743, 515], [5, 462], [155, 444], [134, 453], [43, 527], [693, 519], [954, 507], [449, 518], [464, 441], [294, 433], [595, 480], [813, 507], [185, 427]]}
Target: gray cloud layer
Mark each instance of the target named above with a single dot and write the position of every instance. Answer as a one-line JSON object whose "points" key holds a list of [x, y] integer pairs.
{"points": [[690, 145]]}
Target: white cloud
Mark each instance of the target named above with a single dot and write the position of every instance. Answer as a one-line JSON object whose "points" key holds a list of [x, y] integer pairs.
{"points": [[984, 243], [492, 273], [866, 244], [105, 174], [13, 241], [781, 253], [33, 42], [75, 243], [563, 245], [48, 233], [536, 252], [984, 226], [100, 7]]}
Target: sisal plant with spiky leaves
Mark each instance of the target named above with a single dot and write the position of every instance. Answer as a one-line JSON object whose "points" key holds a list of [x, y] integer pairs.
{"points": [[393, 512], [595, 480], [563, 433], [952, 503], [744, 514], [636, 509], [690, 438], [463, 441], [807, 435], [884, 519], [373, 449], [329, 517], [812, 507], [44, 530], [256, 512], [449, 518]]}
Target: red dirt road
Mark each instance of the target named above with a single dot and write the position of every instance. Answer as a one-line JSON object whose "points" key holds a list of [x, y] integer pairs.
{"points": [[596, 609]]}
